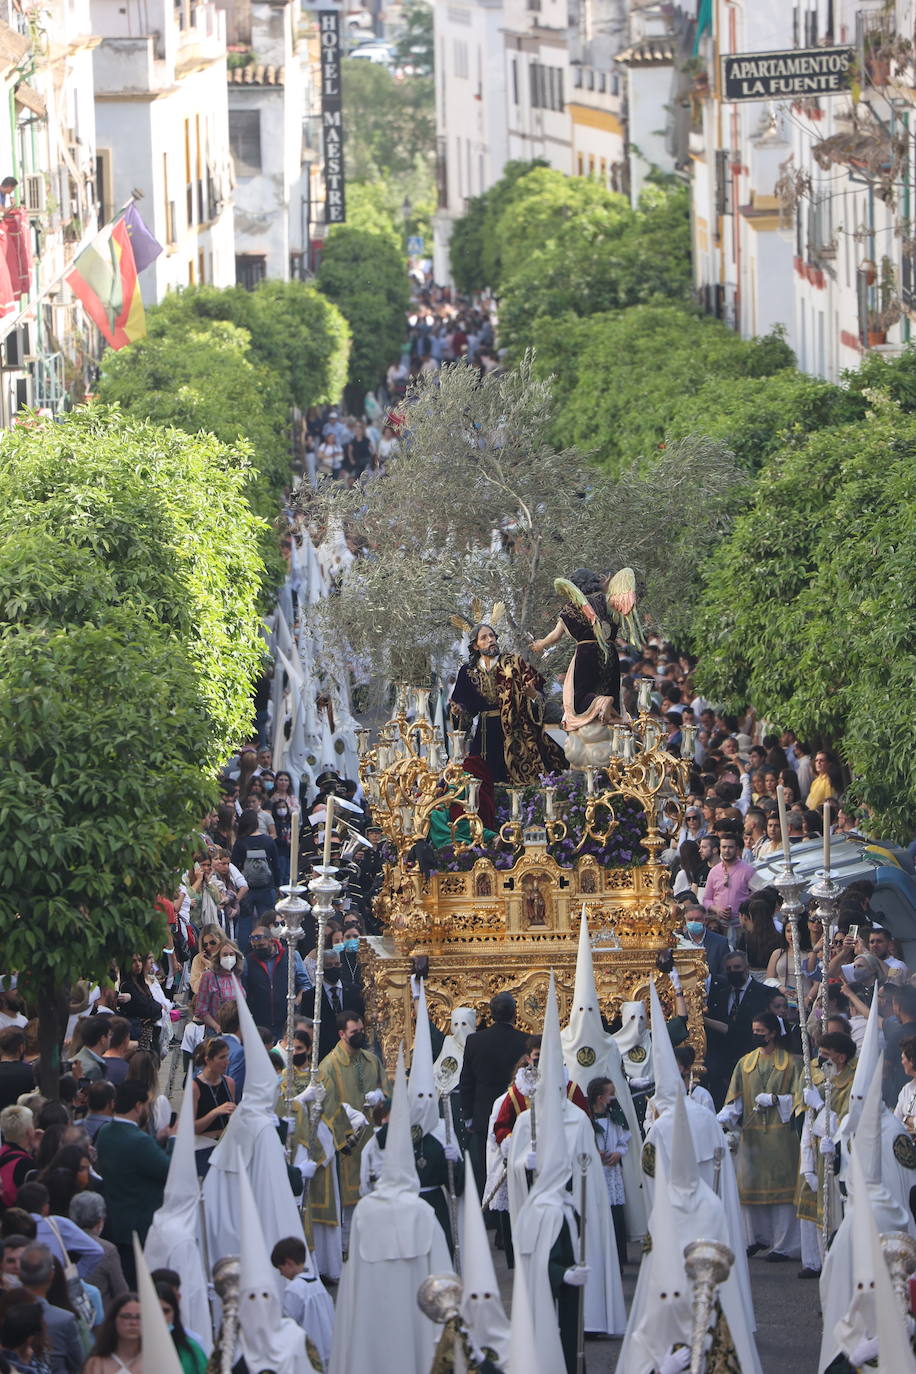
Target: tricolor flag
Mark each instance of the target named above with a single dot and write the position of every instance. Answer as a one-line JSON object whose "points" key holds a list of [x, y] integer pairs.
{"points": [[104, 277]]}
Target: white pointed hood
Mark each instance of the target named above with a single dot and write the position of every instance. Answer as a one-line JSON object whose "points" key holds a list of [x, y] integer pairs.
{"points": [[393, 1220], [159, 1351], [887, 1212], [867, 1066], [553, 1164], [399, 1170], [255, 1112], [421, 1086], [669, 1085], [524, 1356], [667, 1316], [585, 1014], [481, 1305], [874, 1309], [267, 1339], [451, 1057], [172, 1241], [633, 1032]]}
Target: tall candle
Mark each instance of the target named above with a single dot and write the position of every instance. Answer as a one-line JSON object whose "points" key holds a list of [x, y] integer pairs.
{"points": [[328, 827], [294, 850], [826, 838], [783, 819]]}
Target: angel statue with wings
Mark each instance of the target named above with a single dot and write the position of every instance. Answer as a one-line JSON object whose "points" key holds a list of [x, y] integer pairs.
{"points": [[505, 695], [591, 690]]}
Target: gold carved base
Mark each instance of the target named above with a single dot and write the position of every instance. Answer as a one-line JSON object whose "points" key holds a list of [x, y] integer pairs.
{"points": [[489, 930]]}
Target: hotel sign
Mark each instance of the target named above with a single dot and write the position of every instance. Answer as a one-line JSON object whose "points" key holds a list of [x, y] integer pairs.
{"points": [[787, 75], [335, 207]]}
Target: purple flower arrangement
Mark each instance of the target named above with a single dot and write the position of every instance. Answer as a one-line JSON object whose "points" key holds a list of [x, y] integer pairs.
{"points": [[623, 848]]}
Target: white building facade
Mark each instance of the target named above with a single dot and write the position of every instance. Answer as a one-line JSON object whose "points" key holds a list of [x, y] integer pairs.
{"points": [[802, 205], [162, 124]]}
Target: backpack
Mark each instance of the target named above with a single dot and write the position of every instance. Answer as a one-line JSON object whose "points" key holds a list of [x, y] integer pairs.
{"points": [[10, 1157], [256, 870]]}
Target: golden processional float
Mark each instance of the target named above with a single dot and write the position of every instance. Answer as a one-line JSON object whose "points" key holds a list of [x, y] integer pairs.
{"points": [[512, 913]]}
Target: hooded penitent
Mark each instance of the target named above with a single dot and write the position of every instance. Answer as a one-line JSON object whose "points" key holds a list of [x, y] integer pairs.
{"points": [[838, 1276], [172, 1241], [451, 1057], [268, 1340], [707, 1139], [395, 1243], [481, 1305], [591, 1052]]}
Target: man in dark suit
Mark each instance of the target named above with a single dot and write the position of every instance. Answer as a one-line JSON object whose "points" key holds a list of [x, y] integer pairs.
{"points": [[733, 1004], [335, 997], [490, 1057], [134, 1169], [698, 932]]}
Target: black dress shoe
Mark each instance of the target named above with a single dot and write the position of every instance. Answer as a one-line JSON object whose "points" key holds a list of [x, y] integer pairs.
{"points": [[754, 1250], [777, 1257], [807, 1273]]}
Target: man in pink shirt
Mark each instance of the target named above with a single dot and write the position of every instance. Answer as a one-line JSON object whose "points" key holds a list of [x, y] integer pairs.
{"points": [[728, 884]]}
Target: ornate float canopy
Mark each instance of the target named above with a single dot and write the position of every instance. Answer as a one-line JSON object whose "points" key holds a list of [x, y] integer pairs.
{"points": [[495, 911]]}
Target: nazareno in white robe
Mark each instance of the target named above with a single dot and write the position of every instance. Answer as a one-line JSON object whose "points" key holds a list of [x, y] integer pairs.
{"points": [[604, 1305]]}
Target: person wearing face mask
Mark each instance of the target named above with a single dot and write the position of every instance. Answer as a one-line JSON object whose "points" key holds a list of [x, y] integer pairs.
{"points": [[715, 946], [732, 1007], [354, 1080], [836, 1061], [351, 972], [282, 813], [134, 1169], [760, 1103], [265, 979], [217, 985], [336, 996]]}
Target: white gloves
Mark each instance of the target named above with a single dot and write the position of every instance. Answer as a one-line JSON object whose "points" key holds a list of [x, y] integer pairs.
{"points": [[308, 1168], [676, 1361], [374, 1098], [827, 1146], [505, 1145], [639, 1083], [356, 1119], [765, 1100], [729, 1116], [531, 1161], [812, 1182], [313, 1093], [866, 1350], [577, 1276], [675, 979], [813, 1099], [452, 1153]]}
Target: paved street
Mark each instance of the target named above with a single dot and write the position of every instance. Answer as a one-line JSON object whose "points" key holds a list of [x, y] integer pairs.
{"points": [[788, 1318]]}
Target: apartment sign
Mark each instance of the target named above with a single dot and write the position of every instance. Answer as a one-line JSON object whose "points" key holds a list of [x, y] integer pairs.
{"points": [[335, 205], [788, 75]]}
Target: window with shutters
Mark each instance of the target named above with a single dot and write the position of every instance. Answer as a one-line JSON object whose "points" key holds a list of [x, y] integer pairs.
{"points": [[245, 141]]}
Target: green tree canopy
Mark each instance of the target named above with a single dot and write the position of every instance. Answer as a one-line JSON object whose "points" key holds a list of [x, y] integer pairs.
{"points": [[474, 248], [365, 275], [808, 608], [415, 46], [581, 248], [620, 376], [203, 378], [756, 416], [390, 121], [296, 333], [478, 457], [129, 579]]}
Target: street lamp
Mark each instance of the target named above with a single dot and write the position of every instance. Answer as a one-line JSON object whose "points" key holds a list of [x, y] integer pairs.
{"points": [[405, 211]]}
